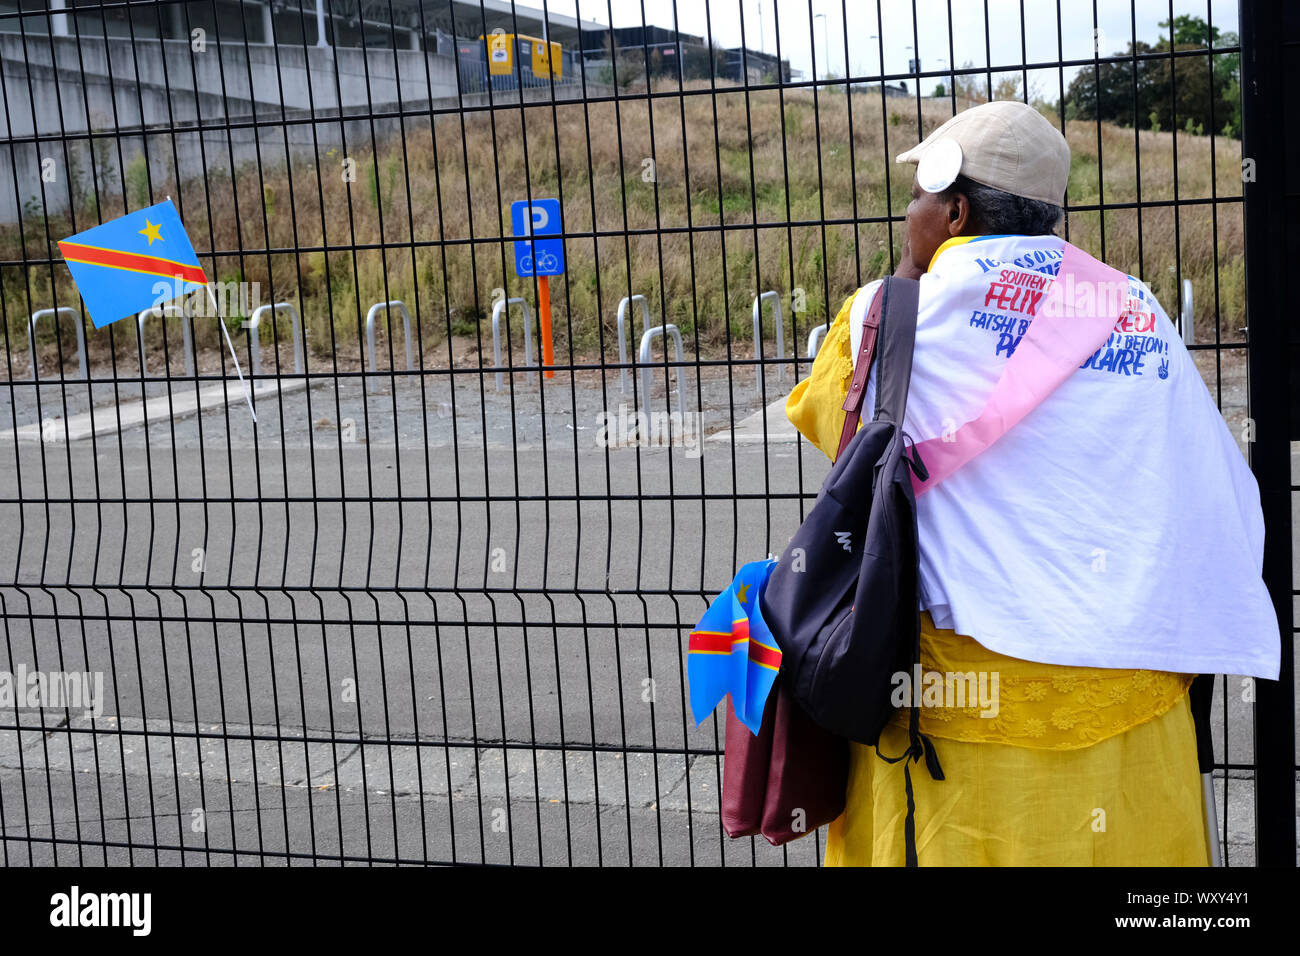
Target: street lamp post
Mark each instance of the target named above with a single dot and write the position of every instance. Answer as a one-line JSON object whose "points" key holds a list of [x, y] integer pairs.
{"points": [[826, 46], [879, 69]]}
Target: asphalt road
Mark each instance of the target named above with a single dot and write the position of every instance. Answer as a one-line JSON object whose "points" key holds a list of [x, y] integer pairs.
{"points": [[452, 633]]}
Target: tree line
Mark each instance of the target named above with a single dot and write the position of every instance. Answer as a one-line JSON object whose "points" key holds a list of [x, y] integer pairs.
{"points": [[1197, 94]]}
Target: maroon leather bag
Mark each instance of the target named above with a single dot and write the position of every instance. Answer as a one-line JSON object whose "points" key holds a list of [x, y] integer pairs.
{"points": [[792, 777], [787, 781]]}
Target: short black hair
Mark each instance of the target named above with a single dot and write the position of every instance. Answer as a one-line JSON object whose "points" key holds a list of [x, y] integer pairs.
{"points": [[997, 212]]}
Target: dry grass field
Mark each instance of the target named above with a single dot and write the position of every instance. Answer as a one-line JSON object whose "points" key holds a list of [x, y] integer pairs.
{"points": [[695, 200]]}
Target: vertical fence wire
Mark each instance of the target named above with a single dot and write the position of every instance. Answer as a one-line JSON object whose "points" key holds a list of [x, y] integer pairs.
{"points": [[405, 617]]}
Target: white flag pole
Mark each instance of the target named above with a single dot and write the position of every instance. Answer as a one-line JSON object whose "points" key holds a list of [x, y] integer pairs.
{"points": [[221, 322], [216, 310]]}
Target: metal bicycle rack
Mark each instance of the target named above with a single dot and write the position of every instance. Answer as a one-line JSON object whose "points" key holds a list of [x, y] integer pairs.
{"points": [[502, 308], [647, 369], [81, 336], [780, 338], [622, 335], [815, 340], [162, 311], [255, 346], [370, 335]]}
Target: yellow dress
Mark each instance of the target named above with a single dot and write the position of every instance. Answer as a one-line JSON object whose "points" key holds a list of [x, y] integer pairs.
{"points": [[1080, 766]]}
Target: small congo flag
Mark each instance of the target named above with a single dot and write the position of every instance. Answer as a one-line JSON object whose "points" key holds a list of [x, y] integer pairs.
{"points": [[732, 651]]}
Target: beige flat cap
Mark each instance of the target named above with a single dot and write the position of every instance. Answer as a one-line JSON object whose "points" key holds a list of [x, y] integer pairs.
{"points": [[1008, 145]]}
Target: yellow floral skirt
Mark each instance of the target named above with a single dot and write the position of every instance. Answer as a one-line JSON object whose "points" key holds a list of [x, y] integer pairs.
{"points": [[1080, 767]]}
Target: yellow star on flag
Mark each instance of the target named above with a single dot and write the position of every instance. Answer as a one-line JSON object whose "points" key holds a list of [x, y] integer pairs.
{"points": [[150, 232], [740, 592]]}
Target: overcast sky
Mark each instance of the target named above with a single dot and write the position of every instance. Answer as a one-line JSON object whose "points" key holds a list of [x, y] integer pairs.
{"points": [[796, 22]]}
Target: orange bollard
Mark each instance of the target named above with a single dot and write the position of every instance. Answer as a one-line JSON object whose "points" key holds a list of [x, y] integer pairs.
{"points": [[544, 314]]}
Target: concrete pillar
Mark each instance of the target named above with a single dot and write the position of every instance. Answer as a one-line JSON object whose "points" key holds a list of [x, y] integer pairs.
{"points": [[415, 39], [320, 24], [268, 29], [59, 21]]}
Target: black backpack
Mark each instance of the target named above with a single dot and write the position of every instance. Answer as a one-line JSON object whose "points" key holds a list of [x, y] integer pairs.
{"points": [[843, 601]]}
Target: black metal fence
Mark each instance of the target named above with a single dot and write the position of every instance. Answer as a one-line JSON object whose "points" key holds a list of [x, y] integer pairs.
{"points": [[431, 605]]}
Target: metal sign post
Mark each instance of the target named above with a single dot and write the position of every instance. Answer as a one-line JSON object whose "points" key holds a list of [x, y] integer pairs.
{"points": [[539, 258]]}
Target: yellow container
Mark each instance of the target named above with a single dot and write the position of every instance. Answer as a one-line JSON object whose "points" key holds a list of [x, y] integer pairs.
{"points": [[501, 54], [540, 65]]}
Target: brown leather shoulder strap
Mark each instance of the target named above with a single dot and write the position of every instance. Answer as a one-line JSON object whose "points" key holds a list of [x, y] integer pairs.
{"points": [[866, 349]]}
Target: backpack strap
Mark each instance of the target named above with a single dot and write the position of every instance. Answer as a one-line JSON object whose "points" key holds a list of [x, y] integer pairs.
{"points": [[857, 388], [894, 371], [898, 300], [919, 745], [895, 304]]}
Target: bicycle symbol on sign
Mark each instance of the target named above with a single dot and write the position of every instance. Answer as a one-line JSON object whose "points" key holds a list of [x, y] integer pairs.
{"points": [[545, 263]]}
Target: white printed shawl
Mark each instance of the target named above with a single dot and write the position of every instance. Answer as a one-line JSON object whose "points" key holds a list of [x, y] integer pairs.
{"points": [[1087, 503]]}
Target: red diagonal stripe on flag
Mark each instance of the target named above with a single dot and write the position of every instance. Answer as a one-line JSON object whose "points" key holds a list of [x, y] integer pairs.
{"points": [[704, 643], [717, 642], [133, 261], [764, 656]]}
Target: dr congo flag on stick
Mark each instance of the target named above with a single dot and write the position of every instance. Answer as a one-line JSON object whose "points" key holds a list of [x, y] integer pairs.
{"points": [[732, 651], [137, 262]]}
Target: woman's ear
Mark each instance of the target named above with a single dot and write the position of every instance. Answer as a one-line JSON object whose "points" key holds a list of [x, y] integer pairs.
{"points": [[959, 216]]}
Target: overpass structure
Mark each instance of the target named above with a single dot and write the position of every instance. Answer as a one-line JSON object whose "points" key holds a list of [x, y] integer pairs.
{"points": [[227, 83]]}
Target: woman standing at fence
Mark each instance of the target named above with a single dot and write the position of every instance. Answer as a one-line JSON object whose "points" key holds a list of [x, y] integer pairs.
{"points": [[1086, 565]]}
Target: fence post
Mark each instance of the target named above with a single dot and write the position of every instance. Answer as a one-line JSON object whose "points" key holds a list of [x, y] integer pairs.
{"points": [[1272, 244]]}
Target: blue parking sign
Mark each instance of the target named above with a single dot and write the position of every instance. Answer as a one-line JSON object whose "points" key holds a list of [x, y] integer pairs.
{"points": [[537, 257]]}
